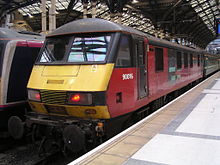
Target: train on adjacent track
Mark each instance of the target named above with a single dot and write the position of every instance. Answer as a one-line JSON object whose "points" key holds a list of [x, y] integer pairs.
{"points": [[18, 52], [93, 77]]}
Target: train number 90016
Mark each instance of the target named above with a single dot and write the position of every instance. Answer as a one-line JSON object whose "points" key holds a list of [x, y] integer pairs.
{"points": [[127, 76]]}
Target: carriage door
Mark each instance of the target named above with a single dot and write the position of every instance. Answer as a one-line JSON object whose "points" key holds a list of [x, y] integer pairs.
{"points": [[142, 71]]}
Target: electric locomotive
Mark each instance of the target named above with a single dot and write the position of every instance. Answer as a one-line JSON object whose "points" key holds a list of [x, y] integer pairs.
{"points": [[92, 76], [18, 52]]}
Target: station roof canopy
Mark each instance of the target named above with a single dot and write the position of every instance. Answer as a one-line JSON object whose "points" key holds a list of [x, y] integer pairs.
{"points": [[191, 20]]}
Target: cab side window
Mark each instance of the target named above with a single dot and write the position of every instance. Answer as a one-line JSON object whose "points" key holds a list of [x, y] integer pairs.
{"points": [[124, 53]]}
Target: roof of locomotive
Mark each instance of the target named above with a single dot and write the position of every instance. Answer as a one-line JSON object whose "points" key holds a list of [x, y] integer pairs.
{"points": [[9, 34], [95, 25], [91, 25]]}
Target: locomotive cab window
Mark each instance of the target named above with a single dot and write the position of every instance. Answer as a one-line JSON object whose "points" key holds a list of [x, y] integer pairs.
{"points": [[124, 55], [179, 60], [76, 49], [159, 64], [54, 50], [89, 49]]}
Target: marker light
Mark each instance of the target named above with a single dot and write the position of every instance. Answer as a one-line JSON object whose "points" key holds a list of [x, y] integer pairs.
{"points": [[80, 98], [75, 98], [34, 95]]}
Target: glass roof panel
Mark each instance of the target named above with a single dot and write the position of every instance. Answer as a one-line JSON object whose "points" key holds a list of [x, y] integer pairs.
{"points": [[207, 10]]}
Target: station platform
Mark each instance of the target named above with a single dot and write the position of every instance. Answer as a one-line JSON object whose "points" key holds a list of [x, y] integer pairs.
{"points": [[184, 132]]}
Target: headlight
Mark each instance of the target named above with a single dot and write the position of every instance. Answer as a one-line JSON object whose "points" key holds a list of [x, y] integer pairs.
{"points": [[80, 98], [34, 95]]}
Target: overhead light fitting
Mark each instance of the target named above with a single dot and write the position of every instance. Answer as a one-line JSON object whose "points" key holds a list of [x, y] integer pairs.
{"points": [[134, 1], [30, 16]]}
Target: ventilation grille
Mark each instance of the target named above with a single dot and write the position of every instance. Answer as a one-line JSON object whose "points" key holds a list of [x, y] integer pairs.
{"points": [[53, 97]]}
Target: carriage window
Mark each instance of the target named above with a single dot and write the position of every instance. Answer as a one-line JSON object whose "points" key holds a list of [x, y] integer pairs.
{"points": [[179, 60], [195, 59], [54, 50], [172, 60], [185, 60], [159, 59], [198, 59], [191, 60], [124, 56], [171, 65], [93, 48]]}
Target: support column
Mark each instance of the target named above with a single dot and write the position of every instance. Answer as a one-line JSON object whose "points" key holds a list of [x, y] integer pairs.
{"points": [[52, 16], [7, 20], [94, 2], [85, 10], [112, 17], [181, 41], [43, 17], [119, 18], [161, 34]]}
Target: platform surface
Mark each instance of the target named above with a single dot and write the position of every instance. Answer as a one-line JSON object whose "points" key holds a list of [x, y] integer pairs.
{"points": [[184, 132]]}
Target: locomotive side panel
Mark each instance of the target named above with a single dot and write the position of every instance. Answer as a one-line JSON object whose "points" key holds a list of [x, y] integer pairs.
{"points": [[122, 91], [168, 69], [128, 86], [122, 88], [174, 73], [157, 70]]}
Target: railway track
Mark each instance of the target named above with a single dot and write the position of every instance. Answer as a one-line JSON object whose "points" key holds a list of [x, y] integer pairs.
{"points": [[56, 158], [23, 152], [18, 153], [6, 143]]}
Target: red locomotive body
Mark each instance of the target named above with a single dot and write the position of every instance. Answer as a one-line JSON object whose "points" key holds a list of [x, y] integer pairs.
{"points": [[131, 88]]}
